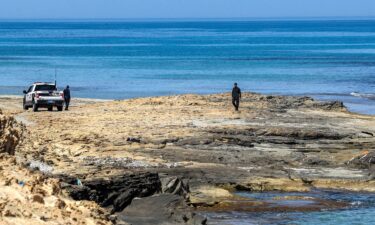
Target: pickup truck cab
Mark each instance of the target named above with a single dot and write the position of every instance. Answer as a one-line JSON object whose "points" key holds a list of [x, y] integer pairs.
{"points": [[43, 95]]}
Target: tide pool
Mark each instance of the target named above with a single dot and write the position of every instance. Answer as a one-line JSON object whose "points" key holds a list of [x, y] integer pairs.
{"points": [[360, 210]]}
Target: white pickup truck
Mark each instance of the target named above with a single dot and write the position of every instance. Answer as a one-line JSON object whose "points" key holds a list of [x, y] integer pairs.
{"points": [[43, 95]]}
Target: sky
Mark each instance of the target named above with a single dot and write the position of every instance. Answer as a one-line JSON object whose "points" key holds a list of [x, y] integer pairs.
{"points": [[148, 9]]}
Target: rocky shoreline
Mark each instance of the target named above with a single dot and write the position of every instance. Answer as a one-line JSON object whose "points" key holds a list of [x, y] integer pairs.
{"points": [[183, 154]]}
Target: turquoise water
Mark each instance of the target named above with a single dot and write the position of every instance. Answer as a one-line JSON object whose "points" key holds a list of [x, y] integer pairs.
{"points": [[123, 59], [361, 210]]}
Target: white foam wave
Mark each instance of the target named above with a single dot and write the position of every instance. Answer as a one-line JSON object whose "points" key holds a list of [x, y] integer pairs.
{"points": [[356, 203], [363, 95]]}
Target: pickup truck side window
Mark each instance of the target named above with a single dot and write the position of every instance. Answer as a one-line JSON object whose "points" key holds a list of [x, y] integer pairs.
{"points": [[30, 89]]}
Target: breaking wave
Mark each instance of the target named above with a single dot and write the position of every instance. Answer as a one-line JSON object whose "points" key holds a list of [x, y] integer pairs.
{"points": [[363, 95]]}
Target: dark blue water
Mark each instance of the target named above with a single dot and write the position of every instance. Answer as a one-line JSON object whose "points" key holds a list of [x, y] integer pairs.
{"points": [[324, 59], [361, 210]]}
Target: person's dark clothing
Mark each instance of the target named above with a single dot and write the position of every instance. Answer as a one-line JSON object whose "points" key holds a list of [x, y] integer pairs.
{"points": [[236, 95], [67, 102], [67, 98], [67, 93], [236, 103]]}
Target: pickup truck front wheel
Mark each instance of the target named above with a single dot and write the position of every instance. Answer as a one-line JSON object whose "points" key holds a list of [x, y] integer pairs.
{"points": [[25, 107], [35, 107], [59, 108]]}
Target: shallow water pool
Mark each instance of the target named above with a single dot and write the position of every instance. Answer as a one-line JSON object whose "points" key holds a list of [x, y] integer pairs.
{"points": [[360, 209]]}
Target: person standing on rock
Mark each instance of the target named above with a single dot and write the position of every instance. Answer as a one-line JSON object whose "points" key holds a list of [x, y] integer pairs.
{"points": [[236, 96], [67, 97]]}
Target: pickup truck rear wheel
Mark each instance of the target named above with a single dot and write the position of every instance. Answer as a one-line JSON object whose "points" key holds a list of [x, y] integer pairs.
{"points": [[35, 107], [50, 108], [59, 108]]}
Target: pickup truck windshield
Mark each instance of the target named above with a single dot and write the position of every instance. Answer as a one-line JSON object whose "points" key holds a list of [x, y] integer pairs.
{"points": [[45, 88]]}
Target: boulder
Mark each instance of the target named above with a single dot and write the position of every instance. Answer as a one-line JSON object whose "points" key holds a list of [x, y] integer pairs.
{"points": [[166, 209]]}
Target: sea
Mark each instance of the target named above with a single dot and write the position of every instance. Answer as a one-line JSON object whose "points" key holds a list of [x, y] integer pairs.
{"points": [[120, 59]]}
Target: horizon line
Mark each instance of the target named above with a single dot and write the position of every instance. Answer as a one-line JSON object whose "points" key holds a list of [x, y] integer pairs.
{"points": [[197, 19]]}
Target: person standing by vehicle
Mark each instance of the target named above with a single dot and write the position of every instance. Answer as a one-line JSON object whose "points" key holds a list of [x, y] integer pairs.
{"points": [[67, 97], [236, 96]]}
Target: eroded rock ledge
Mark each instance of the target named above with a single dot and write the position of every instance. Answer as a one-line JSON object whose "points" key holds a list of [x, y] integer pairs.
{"points": [[10, 134]]}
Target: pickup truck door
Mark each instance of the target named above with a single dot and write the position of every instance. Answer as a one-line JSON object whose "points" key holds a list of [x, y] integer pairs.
{"points": [[29, 95]]}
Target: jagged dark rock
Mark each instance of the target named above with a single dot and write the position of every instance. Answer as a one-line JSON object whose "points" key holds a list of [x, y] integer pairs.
{"points": [[363, 161], [131, 139], [116, 192], [175, 185], [332, 105], [315, 161]]}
